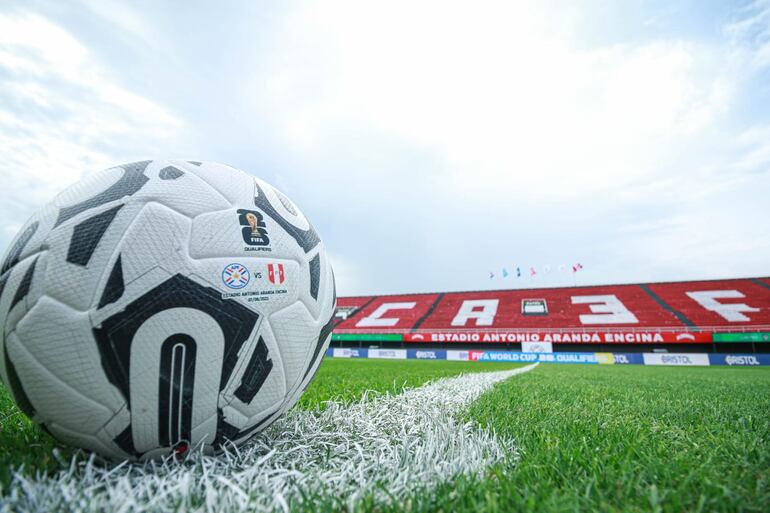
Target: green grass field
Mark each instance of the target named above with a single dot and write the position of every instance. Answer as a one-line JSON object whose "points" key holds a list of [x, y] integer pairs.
{"points": [[625, 438], [346, 380], [591, 438]]}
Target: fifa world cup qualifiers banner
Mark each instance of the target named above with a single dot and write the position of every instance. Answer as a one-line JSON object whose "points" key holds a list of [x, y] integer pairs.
{"points": [[576, 337], [509, 356], [591, 358]]}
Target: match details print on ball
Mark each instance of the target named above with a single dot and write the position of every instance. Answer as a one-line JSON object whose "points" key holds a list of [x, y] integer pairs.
{"points": [[181, 332]]}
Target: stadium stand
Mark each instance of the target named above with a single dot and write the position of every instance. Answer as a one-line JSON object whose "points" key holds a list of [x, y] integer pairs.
{"points": [[687, 316]]}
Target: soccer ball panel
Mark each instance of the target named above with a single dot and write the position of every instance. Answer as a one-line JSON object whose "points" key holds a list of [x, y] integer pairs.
{"points": [[28, 241], [82, 249], [295, 324], [178, 188], [16, 299], [262, 362], [97, 190], [242, 231], [50, 397], [218, 234], [78, 438], [74, 360], [262, 285], [156, 238], [233, 185], [318, 292], [249, 401], [194, 367], [265, 194]]}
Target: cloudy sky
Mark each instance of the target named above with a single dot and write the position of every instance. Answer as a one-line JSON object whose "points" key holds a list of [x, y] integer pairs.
{"points": [[430, 142]]}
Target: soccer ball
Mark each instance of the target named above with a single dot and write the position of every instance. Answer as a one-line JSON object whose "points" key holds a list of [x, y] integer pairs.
{"points": [[161, 306]]}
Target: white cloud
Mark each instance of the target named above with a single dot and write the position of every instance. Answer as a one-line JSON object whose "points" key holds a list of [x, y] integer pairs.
{"points": [[704, 244], [750, 34], [123, 16], [529, 128], [429, 141], [500, 91], [62, 114]]}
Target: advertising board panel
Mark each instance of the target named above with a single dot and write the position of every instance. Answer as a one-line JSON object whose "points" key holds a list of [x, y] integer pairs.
{"points": [[426, 354], [388, 354], [537, 347], [744, 360], [676, 359]]}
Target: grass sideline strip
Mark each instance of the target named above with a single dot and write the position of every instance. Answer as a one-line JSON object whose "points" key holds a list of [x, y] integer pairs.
{"points": [[382, 449], [22, 442]]}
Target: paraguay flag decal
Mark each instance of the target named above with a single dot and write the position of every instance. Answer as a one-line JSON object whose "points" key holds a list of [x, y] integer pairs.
{"points": [[236, 276]]}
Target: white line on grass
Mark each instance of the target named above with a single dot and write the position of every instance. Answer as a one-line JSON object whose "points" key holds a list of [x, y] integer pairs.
{"points": [[386, 448]]}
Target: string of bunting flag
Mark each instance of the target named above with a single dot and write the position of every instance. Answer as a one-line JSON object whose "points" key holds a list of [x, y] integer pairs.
{"points": [[518, 272]]}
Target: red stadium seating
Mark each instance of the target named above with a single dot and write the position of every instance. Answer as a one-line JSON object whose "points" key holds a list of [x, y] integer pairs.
{"points": [[753, 294], [386, 313], [561, 312], [673, 308]]}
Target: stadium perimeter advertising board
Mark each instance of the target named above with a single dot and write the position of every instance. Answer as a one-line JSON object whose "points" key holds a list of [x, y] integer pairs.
{"points": [[667, 359]]}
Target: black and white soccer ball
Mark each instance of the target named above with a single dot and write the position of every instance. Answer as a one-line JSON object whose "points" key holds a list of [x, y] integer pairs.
{"points": [[161, 306]]}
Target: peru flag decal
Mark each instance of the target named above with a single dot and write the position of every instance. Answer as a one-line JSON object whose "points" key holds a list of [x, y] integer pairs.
{"points": [[275, 273]]}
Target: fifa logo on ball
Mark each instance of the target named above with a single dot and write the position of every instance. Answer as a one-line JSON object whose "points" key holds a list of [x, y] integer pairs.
{"points": [[254, 228]]}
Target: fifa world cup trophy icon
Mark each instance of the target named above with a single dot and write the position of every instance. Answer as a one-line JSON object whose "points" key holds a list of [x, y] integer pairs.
{"points": [[253, 228], [252, 220]]}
